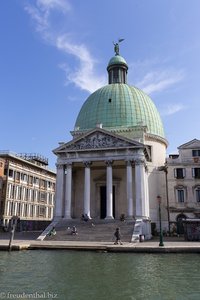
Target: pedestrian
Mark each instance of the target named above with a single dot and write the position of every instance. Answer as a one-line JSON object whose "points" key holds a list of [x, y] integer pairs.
{"points": [[117, 235], [74, 231], [52, 231]]}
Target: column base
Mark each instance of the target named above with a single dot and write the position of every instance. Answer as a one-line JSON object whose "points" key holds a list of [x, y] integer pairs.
{"points": [[67, 218], [129, 218], [109, 218]]}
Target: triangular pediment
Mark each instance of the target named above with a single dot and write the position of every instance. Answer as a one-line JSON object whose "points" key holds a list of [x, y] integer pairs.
{"points": [[98, 139], [193, 144]]}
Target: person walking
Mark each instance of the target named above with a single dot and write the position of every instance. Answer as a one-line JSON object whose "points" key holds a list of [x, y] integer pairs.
{"points": [[117, 235]]}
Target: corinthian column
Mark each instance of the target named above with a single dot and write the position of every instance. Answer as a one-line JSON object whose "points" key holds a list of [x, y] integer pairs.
{"points": [[109, 191], [58, 211], [68, 191], [129, 189], [87, 189], [140, 187]]}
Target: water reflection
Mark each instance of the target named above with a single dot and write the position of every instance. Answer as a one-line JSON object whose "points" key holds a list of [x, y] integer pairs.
{"points": [[88, 275]]}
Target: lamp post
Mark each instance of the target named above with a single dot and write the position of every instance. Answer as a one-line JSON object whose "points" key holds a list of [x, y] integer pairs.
{"points": [[161, 244]]}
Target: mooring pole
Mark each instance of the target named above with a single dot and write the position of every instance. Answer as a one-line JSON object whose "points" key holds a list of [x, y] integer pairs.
{"points": [[12, 232]]}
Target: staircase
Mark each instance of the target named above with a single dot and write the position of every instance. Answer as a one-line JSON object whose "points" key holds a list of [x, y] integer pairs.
{"points": [[93, 230]]}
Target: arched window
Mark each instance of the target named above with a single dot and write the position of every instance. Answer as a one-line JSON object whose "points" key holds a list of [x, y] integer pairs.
{"points": [[197, 193]]}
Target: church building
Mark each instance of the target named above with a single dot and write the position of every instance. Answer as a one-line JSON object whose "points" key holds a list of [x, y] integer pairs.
{"points": [[111, 165]]}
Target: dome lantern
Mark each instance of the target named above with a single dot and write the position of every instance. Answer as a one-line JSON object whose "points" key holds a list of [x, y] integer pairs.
{"points": [[117, 67]]}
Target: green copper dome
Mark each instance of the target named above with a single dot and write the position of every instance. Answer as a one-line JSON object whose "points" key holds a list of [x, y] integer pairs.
{"points": [[118, 106]]}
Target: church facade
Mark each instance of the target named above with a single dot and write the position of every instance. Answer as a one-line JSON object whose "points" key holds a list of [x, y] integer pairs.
{"points": [[111, 165]]}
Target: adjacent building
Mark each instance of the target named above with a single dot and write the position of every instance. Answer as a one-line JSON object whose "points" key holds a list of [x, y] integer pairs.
{"points": [[27, 190], [183, 183]]}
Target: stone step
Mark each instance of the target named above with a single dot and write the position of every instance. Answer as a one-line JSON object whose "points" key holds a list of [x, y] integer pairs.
{"points": [[93, 230]]}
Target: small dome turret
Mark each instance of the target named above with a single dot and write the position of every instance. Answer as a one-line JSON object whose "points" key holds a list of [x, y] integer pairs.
{"points": [[117, 68]]}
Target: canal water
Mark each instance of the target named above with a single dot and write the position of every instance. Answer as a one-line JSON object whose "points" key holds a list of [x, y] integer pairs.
{"points": [[69, 275]]}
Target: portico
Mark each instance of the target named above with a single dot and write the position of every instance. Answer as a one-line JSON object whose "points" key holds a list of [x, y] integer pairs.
{"points": [[113, 162]]}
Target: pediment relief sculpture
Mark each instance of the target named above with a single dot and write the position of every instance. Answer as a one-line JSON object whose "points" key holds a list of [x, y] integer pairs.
{"points": [[98, 141]]}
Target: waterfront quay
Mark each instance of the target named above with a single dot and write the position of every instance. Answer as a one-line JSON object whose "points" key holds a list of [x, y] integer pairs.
{"points": [[171, 245]]}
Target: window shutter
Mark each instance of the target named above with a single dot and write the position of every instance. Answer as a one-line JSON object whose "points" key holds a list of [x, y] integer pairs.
{"points": [[193, 172], [175, 173], [184, 172]]}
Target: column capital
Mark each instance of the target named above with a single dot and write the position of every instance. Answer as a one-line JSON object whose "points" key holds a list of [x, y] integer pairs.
{"points": [[68, 163], [109, 163], [139, 161], [129, 162], [87, 164], [59, 166]]}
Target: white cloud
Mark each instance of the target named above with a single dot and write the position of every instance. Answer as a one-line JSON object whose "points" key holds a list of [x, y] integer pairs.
{"points": [[63, 5], [171, 109], [157, 81], [41, 19], [84, 76]]}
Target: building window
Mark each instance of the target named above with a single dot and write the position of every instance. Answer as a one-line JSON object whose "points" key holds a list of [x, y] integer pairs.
{"points": [[42, 183], [10, 173], [42, 211], [196, 172], [195, 153], [18, 209], [36, 195], [24, 194], [19, 192], [17, 176], [36, 180], [31, 179], [11, 210], [30, 194], [197, 192], [179, 173], [31, 210], [13, 192], [25, 210], [42, 197], [24, 177], [180, 195], [27, 194], [49, 184]]}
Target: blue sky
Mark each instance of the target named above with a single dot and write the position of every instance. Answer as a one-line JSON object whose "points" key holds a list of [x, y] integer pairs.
{"points": [[54, 53]]}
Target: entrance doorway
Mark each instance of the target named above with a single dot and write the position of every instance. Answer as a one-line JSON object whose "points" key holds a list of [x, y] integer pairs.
{"points": [[103, 201], [179, 219]]}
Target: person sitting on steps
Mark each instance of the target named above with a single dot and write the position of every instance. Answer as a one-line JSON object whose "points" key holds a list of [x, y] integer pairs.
{"points": [[122, 217], [84, 217]]}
